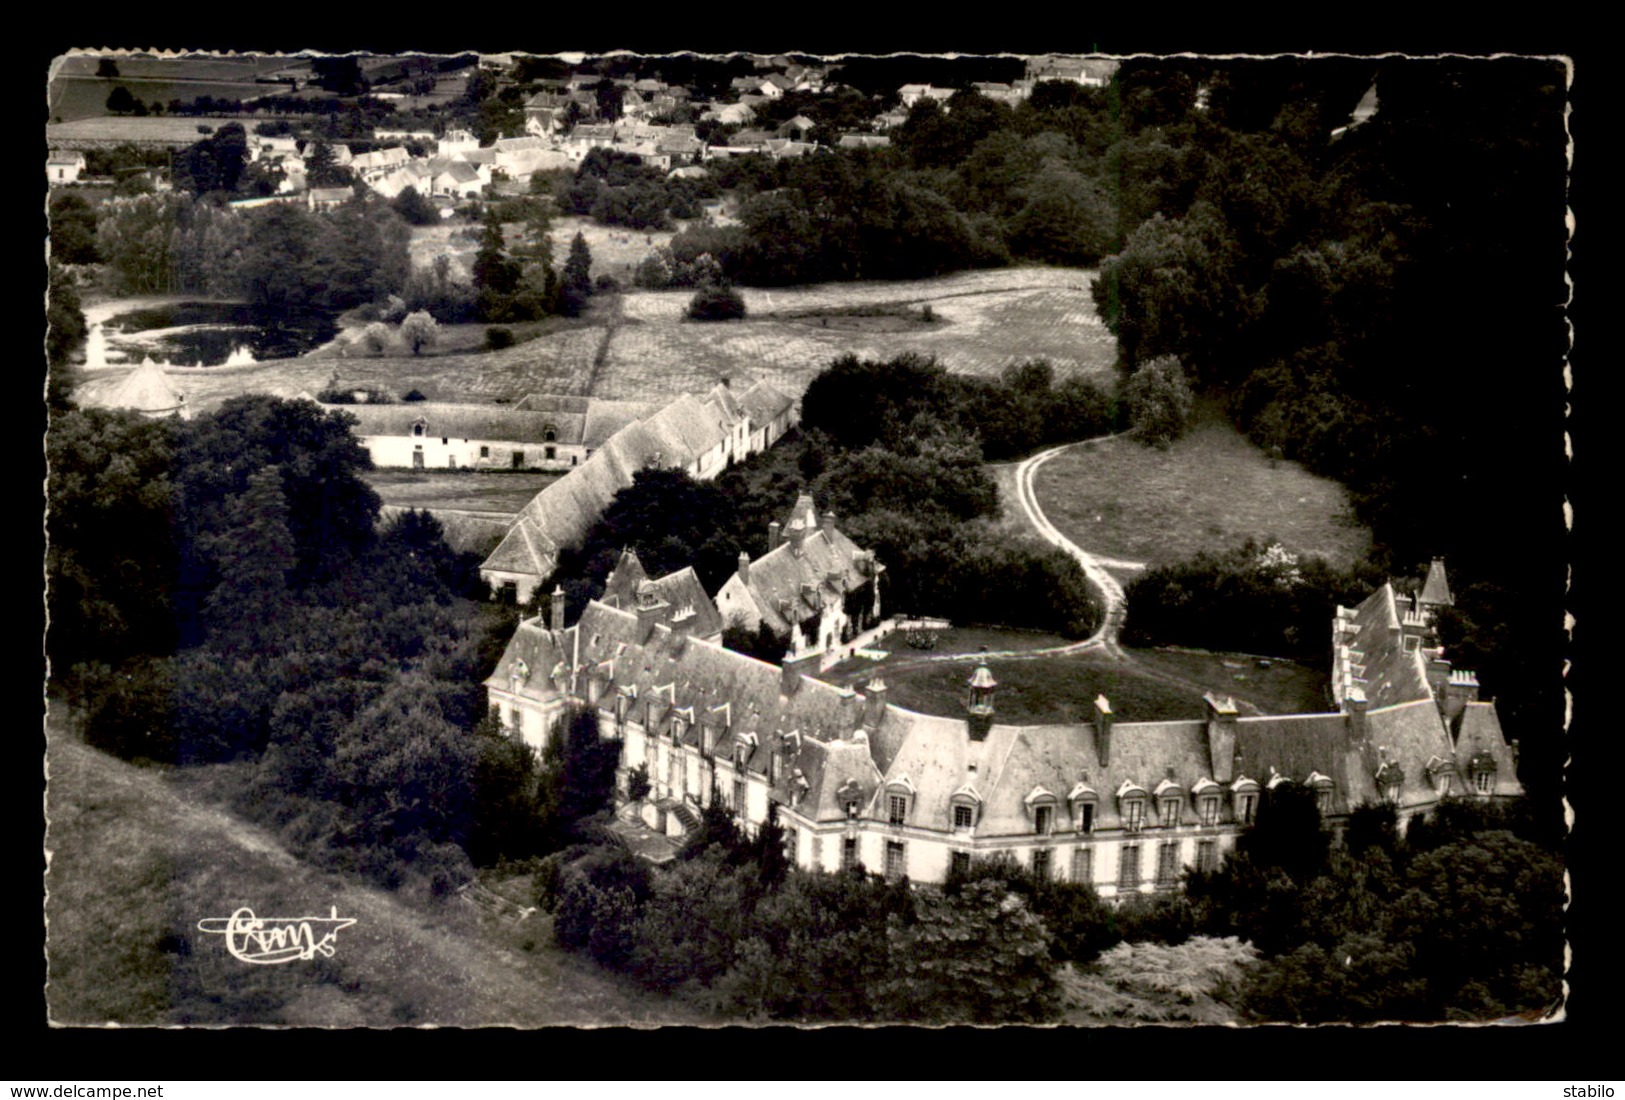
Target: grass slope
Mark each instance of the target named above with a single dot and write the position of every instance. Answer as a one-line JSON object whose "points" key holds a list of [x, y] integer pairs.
{"points": [[137, 859], [1213, 489]]}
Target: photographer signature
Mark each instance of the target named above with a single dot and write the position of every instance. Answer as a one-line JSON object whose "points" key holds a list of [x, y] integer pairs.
{"points": [[268, 940]]}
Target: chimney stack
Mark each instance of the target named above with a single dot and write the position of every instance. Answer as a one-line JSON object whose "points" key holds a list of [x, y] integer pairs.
{"points": [[827, 523], [773, 536], [1354, 706], [796, 532], [651, 609], [1461, 689], [793, 669], [1221, 736], [979, 702], [744, 568], [1103, 730], [875, 694], [558, 609]]}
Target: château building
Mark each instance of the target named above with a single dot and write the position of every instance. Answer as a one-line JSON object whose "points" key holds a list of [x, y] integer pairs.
{"points": [[1124, 805]]}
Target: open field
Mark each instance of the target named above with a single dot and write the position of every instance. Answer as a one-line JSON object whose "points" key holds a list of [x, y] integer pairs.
{"points": [[464, 490], [1212, 490], [636, 346], [986, 320], [158, 131], [139, 856], [616, 251]]}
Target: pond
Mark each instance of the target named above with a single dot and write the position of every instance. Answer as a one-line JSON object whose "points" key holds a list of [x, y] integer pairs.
{"points": [[208, 334]]}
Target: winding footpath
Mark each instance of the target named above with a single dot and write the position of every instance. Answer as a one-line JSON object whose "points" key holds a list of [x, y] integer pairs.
{"points": [[1111, 593], [1105, 638]]}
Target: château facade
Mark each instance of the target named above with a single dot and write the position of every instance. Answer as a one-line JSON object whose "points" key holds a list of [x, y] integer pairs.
{"points": [[1123, 805]]}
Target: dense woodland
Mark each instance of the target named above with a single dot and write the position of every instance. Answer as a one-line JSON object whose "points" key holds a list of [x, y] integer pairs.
{"points": [[222, 592], [1458, 920]]}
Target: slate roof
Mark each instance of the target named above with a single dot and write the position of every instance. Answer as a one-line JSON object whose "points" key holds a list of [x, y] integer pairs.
{"points": [[784, 584], [1478, 732], [1436, 590], [1370, 652], [561, 513], [763, 403], [494, 422], [688, 607]]}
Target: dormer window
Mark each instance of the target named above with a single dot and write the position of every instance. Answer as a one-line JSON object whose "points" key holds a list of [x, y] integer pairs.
{"points": [[899, 800], [1482, 769], [965, 807], [1170, 798], [1131, 799], [1084, 801], [1390, 780], [1041, 809], [1324, 790], [1207, 795], [1245, 793], [420, 427]]}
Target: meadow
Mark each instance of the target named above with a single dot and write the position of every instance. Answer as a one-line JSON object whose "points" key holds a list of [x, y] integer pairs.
{"points": [[637, 345], [140, 855], [1213, 489]]}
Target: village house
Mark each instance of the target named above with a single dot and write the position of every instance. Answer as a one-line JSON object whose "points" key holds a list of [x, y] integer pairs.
{"points": [[64, 166], [913, 93], [700, 436], [456, 141], [1123, 805], [863, 141], [374, 166], [328, 198], [813, 588]]}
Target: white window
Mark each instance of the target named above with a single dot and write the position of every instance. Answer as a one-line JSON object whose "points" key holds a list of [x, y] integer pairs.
{"points": [[792, 844], [1210, 810], [964, 817], [1134, 815], [1207, 855], [1168, 864], [958, 863], [1485, 782], [1086, 817], [896, 808], [1041, 861], [1042, 817], [1246, 807], [1323, 799], [1169, 808], [896, 860], [1128, 867], [1083, 865]]}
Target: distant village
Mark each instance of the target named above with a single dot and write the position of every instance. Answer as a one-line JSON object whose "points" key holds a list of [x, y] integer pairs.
{"points": [[454, 166]]}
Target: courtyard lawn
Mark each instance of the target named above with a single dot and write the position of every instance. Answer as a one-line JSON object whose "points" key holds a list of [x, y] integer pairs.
{"points": [[960, 639], [1058, 690], [1212, 490]]}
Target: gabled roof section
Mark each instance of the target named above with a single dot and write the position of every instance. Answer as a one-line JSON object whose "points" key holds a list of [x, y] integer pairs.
{"points": [[1369, 653], [1436, 590]]}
